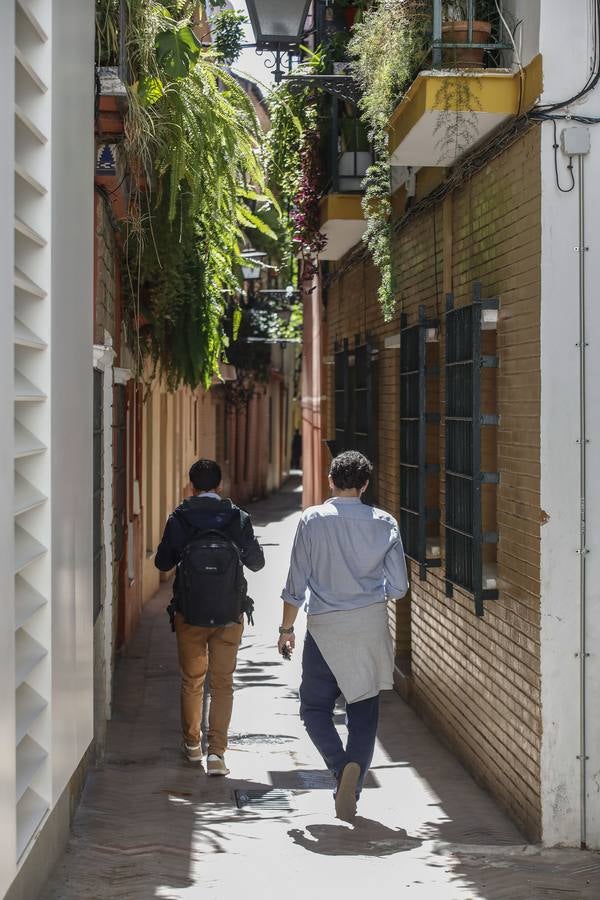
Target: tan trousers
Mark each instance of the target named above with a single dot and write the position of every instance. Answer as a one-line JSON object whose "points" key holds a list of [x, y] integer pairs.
{"points": [[202, 650]]}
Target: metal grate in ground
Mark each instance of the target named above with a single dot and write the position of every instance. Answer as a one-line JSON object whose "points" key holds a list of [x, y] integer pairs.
{"points": [[273, 800]]}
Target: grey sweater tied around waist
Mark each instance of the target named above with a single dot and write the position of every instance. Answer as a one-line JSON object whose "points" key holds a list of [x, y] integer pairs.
{"points": [[357, 646]]}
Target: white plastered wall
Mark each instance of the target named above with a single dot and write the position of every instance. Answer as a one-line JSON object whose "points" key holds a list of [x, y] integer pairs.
{"points": [[565, 46], [71, 419]]}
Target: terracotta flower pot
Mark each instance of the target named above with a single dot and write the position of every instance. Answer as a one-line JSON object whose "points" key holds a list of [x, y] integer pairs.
{"points": [[350, 15], [458, 33]]}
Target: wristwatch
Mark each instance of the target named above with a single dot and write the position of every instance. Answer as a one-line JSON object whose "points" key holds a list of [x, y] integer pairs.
{"points": [[283, 630]]}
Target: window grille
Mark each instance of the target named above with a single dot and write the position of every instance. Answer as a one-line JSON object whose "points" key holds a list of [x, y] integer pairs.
{"points": [[464, 532], [355, 402], [341, 399], [364, 414], [419, 520]]}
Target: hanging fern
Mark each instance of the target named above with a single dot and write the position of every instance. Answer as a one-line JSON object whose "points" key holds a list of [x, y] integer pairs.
{"points": [[181, 304], [192, 142]]}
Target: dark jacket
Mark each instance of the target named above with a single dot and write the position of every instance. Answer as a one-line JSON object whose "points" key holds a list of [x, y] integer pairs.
{"points": [[198, 514]]}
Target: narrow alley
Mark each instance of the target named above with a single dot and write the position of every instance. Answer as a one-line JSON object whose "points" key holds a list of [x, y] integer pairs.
{"points": [[254, 235], [152, 825]]}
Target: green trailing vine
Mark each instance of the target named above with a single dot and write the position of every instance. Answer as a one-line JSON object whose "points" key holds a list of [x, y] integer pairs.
{"points": [[387, 46], [292, 165], [192, 144], [306, 212]]}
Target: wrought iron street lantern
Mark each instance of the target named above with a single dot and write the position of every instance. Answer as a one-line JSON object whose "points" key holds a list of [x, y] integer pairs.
{"points": [[278, 27]]}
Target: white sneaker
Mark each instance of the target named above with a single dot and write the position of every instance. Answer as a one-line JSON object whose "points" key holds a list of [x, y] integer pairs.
{"points": [[215, 765], [192, 754]]}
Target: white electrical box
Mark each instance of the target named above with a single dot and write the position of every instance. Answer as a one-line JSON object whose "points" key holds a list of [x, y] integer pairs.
{"points": [[575, 141]]}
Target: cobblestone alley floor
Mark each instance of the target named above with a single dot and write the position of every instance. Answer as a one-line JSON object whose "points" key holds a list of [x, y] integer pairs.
{"points": [[152, 826]]}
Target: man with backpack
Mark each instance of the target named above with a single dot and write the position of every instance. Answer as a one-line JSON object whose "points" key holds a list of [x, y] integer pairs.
{"points": [[210, 540]]}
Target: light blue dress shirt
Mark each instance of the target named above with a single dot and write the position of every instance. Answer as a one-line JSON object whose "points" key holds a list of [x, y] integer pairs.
{"points": [[346, 555]]}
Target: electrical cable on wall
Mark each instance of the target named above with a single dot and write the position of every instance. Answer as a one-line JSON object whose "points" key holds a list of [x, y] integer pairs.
{"points": [[547, 111], [594, 76], [569, 166]]}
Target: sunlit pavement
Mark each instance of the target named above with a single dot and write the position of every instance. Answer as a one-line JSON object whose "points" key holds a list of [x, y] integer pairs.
{"points": [[152, 825]]}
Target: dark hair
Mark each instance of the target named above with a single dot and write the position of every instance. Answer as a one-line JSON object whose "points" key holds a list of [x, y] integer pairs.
{"points": [[350, 470], [205, 475]]}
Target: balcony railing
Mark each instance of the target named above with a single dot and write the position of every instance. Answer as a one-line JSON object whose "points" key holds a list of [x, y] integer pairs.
{"points": [[348, 150], [464, 51]]}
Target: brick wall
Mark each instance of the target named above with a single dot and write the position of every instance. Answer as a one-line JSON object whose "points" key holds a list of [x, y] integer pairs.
{"points": [[476, 679], [105, 287]]}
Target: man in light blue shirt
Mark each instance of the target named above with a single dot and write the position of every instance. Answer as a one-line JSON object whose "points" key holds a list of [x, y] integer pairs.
{"points": [[347, 561]]}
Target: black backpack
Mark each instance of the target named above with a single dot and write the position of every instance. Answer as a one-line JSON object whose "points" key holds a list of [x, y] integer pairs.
{"points": [[211, 588]]}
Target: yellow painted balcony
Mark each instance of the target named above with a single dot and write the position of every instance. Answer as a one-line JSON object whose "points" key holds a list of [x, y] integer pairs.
{"points": [[444, 114], [342, 222]]}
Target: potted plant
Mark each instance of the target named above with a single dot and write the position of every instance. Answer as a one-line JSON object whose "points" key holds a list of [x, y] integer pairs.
{"points": [[337, 52], [455, 30], [351, 9]]}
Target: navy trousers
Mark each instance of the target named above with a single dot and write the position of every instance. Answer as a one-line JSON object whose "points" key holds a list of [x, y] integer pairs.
{"points": [[318, 692]]}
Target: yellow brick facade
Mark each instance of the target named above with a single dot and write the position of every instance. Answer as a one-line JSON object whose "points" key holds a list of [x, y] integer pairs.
{"points": [[476, 679]]}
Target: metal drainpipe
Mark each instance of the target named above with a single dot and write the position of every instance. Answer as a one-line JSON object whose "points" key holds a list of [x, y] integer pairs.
{"points": [[582, 508]]}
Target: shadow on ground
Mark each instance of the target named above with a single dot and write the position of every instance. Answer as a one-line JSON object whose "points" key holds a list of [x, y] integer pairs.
{"points": [[152, 825], [280, 506], [364, 838]]}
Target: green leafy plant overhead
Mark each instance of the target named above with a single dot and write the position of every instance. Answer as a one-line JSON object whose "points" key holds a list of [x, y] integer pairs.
{"points": [[177, 51], [387, 48], [193, 148], [228, 31], [291, 165]]}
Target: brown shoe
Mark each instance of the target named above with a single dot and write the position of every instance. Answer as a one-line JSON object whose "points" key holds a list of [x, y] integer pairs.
{"points": [[345, 798], [215, 765], [192, 753]]}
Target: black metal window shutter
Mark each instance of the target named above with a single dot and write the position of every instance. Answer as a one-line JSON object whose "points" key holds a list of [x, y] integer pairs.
{"points": [[418, 520], [464, 533], [341, 398], [364, 418]]}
